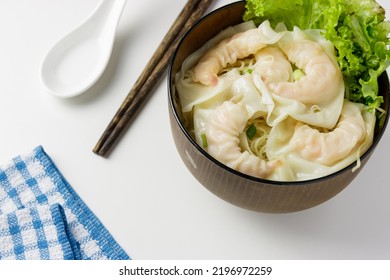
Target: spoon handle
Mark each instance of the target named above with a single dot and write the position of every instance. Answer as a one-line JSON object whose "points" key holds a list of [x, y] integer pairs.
{"points": [[154, 70]]}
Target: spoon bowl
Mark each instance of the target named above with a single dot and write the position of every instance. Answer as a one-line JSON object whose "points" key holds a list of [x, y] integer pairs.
{"points": [[78, 60]]}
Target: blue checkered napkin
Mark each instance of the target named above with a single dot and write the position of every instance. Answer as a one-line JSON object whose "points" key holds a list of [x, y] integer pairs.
{"points": [[42, 217], [36, 233]]}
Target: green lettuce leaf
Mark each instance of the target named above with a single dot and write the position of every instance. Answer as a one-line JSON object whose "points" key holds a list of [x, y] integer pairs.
{"points": [[357, 28]]}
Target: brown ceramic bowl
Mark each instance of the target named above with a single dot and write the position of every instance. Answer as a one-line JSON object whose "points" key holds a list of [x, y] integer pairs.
{"points": [[232, 186]]}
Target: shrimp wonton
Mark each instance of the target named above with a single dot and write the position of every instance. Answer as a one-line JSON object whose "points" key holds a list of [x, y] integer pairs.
{"points": [[271, 103]]}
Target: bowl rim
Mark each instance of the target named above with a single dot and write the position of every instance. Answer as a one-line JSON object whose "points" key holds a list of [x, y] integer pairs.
{"points": [[171, 99]]}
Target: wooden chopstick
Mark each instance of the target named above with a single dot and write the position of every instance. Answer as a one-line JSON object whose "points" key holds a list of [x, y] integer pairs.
{"points": [[154, 70]]}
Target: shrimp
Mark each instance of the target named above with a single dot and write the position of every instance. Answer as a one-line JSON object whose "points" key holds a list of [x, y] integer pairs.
{"points": [[329, 147], [273, 65], [323, 80], [228, 51], [225, 126]]}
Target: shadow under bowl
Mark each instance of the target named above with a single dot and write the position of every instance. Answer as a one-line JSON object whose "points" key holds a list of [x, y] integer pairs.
{"points": [[230, 185]]}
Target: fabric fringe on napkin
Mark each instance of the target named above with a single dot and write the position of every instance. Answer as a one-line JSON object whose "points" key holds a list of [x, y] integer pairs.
{"points": [[42, 217]]}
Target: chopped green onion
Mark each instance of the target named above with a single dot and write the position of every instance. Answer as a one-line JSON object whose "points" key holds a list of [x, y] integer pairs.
{"points": [[251, 131], [298, 74], [204, 140], [249, 71]]}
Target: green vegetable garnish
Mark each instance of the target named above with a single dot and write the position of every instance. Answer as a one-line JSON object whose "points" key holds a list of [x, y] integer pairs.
{"points": [[249, 71], [204, 140], [298, 74], [357, 29], [251, 131]]}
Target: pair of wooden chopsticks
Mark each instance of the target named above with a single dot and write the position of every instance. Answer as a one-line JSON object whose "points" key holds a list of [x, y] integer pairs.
{"points": [[192, 12]]}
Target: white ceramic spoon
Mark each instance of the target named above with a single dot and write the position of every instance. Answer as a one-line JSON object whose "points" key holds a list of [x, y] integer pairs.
{"points": [[77, 61]]}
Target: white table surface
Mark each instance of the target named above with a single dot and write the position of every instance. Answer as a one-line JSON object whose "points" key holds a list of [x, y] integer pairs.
{"points": [[143, 193]]}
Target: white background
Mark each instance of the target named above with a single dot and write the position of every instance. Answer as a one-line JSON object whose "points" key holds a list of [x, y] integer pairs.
{"points": [[143, 193]]}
